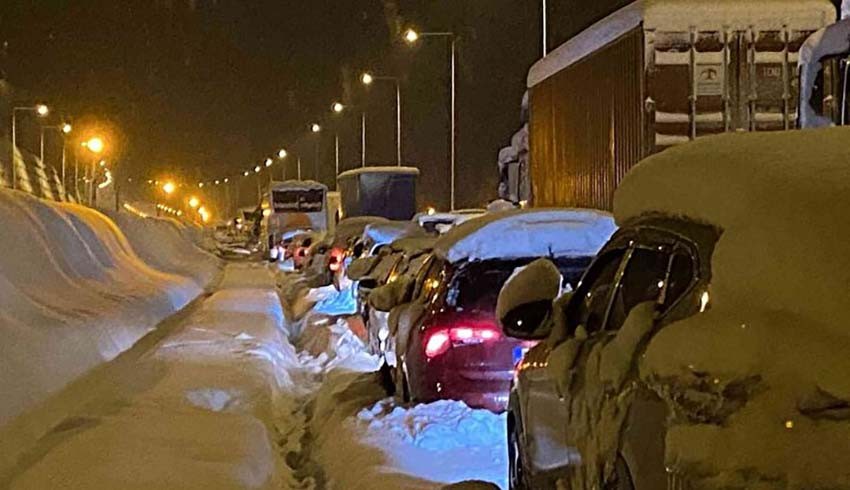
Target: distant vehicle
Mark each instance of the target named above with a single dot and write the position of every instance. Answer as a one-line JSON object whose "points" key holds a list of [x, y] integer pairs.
{"points": [[447, 342], [712, 321], [825, 77], [657, 74], [388, 192], [296, 205]]}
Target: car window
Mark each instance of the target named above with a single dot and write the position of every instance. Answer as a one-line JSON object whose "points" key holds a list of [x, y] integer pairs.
{"points": [[680, 275], [428, 281], [642, 281], [590, 301]]}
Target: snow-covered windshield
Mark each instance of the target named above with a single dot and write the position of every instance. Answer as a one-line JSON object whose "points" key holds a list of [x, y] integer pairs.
{"points": [[476, 285]]}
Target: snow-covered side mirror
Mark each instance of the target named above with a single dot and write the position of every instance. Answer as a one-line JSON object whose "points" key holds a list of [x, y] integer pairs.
{"points": [[524, 308], [390, 295]]}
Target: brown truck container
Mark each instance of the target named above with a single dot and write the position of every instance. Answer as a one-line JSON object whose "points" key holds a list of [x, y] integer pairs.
{"points": [[656, 74]]}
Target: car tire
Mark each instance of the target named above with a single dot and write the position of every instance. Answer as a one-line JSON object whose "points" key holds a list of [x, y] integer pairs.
{"points": [[516, 468], [622, 476], [402, 386]]}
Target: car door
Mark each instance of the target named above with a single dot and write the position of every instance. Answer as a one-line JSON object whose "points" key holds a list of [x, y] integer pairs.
{"points": [[601, 398], [543, 408]]}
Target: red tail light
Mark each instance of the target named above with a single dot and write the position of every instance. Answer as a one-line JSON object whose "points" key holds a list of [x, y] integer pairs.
{"points": [[438, 341], [335, 259]]}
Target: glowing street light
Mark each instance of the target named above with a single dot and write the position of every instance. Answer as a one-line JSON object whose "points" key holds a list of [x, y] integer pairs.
{"points": [[246, 173], [257, 169], [338, 107], [42, 110], [269, 162], [315, 128], [94, 145], [194, 202], [67, 128], [281, 154], [169, 188], [367, 78], [200, 185], [411, 36]]}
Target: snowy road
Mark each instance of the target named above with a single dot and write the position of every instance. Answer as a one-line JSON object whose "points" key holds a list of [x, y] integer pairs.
{"points": [[218, 397]]}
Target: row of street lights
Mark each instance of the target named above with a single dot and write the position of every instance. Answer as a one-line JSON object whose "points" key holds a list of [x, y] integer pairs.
{"points": [[410, 36], [95, 144]]}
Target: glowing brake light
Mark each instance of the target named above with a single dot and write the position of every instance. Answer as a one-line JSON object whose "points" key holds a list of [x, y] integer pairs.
{"points": [[439, 341], [335, 261]]}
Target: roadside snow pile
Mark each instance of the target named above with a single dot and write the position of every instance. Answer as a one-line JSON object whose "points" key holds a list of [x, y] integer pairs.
{"points": [[760, 383], [384, 446], [527, 233], [73, 294], [200, 410], [168, 246]]}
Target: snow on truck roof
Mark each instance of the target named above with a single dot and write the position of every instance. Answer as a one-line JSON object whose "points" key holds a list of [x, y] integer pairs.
{"points": [[297, 184], [379, 170], [780, 200], [681, 15], [527, 233]]}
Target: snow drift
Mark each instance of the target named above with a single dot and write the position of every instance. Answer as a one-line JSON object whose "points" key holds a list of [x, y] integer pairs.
{"points": [[75, 291]]}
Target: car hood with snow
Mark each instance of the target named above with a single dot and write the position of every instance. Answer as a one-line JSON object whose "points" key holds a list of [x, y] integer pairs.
{"points": [[527, 233], [759, 384]]}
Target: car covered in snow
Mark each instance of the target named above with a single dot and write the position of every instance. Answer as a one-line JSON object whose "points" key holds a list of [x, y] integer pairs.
{"points": [[446, 340], [706, 346]]}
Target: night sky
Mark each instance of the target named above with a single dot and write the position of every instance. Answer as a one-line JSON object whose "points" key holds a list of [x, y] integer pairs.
{"points": [[206, 88]]}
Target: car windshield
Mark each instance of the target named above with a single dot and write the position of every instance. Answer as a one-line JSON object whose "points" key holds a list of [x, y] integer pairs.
{"points": [[476, 285]]}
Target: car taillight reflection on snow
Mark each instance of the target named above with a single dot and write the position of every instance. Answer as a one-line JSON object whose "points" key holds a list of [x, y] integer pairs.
{"points": [[438, 341]]}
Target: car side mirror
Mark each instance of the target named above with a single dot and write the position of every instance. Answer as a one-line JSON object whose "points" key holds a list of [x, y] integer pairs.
{"points": [[368, 283], [524, 308]]}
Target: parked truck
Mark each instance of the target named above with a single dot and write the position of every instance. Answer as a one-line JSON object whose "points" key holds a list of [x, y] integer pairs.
{"points": [[658, 73], [388, 192]]}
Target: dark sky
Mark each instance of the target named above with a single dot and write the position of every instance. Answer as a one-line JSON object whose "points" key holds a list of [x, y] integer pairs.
{"points": [[206, 88]]}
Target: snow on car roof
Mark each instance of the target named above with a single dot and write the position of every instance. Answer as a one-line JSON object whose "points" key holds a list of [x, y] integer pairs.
{"points": [[680, 15], [386, 232], [829, 41], [527, 233], [379, 170], [781, 201]]}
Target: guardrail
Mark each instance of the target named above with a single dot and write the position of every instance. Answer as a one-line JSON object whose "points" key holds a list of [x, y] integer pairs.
{"points": [[34, 177]]}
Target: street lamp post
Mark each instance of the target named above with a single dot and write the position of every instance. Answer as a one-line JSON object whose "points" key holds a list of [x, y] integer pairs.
{"points": [[411, 37], [42, 111], [368, 79], [315, 128], [545, 29], [337, 108], [63, 129], [363, 139]]}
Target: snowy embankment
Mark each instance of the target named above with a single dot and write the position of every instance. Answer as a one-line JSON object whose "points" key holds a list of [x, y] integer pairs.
{"points": [[75, 292]]}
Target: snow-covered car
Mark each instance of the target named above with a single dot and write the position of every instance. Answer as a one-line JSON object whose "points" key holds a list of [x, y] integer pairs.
{"points": [[447, 341], [706, 346], [394, 270]]}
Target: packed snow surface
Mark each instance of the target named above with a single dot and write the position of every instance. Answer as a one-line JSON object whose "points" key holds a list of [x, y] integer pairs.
{"points": [[679, 16], [527, 233], [759, 382], [384, 233], [76, 291]]}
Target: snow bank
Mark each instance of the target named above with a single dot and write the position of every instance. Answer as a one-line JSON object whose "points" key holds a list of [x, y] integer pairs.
{"points": [[364, 442], [527, 233], [198, 411], [74, 293], [759, 383]]}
